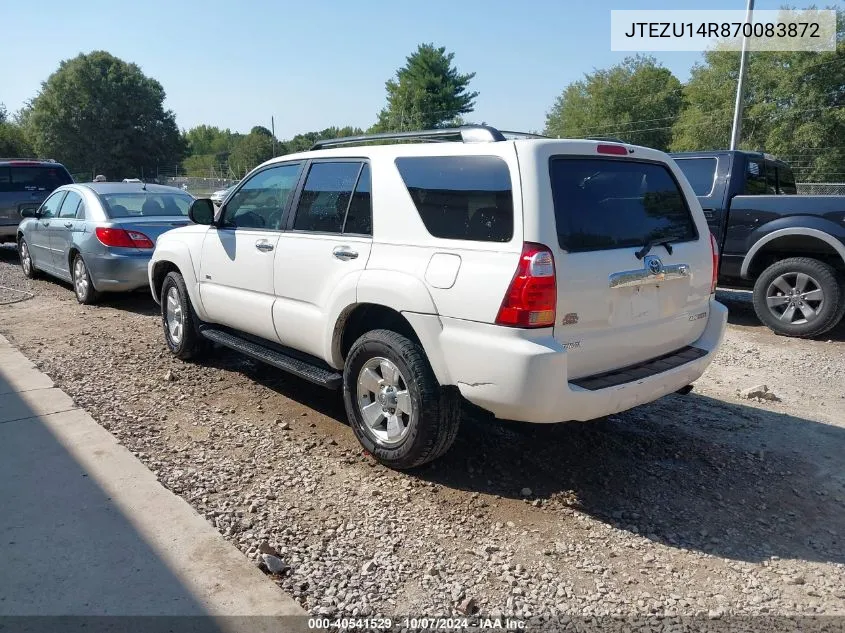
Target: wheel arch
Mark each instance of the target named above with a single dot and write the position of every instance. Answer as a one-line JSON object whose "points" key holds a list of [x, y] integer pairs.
{"points": [[792, 242], [360, 318]]}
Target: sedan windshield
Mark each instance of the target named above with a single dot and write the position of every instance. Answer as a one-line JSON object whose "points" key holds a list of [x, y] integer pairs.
{"points": [[125, 205]]}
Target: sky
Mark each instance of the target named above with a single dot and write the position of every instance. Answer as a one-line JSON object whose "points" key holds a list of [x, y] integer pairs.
{"points": [[318, 63]]}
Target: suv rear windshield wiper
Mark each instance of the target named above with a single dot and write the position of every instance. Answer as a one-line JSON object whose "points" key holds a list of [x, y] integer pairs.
{"points": [[664, 242]]}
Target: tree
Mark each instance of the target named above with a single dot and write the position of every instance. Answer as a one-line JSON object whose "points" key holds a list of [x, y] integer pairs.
{"points": [[250, 151], [636, 100], [427, 92], [303, 142], [260, 129], [794, 107], [13, 141], [97, 113]]}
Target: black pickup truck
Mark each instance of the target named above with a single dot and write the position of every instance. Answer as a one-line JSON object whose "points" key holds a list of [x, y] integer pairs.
{"points": [[789, 248]]}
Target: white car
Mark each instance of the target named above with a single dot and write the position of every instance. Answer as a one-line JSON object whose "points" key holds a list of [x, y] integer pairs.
{"points": [[220, 195], [541, 280]]}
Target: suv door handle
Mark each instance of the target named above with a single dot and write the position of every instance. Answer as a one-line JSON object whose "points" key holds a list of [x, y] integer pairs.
{"points": [[344, 253], [264, 246], [68, 225]]}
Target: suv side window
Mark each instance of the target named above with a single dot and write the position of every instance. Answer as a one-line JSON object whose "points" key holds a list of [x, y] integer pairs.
{"points": [[755, 178], [70, 205], [261, 201], [359, 217], [461, 197], [51, 205], [326, 196]]}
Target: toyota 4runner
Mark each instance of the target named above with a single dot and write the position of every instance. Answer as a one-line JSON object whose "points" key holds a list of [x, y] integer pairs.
{"points": [[541, 280]]}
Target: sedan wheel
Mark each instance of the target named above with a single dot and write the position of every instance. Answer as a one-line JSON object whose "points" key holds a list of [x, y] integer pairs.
{"points": [[26, 259], [82, 285]]}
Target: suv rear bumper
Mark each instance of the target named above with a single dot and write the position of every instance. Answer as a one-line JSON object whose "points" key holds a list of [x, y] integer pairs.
{"points": [[524, 379]]}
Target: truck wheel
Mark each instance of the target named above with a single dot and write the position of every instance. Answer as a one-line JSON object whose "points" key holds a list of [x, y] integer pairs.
{"points": [[178, 319], [396, 407], [799, 297]]}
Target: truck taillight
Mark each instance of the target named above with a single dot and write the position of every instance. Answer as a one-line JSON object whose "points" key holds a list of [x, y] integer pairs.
{"points": [[532, 295], [714, 248]]}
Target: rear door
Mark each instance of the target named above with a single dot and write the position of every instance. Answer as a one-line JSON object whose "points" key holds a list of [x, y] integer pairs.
{"points": [[619, 301], [324, 251]]}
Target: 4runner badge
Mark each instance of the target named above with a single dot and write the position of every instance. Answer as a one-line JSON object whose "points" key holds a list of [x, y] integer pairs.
{"points": [[570, 319]]}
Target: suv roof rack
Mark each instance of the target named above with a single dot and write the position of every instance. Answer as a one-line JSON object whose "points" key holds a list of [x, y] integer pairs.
{"points": [[465, 134]]}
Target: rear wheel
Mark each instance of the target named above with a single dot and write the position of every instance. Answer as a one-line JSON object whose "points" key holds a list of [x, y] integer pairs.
{"points": [[799, 297], [395, 405], [83, 287], [178, 319], [28, 267]]}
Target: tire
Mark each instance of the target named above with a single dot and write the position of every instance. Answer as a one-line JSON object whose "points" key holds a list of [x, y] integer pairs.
{"points": [[83, 287], [179, 320], [800, 297], [425, 432], [27, 265]]}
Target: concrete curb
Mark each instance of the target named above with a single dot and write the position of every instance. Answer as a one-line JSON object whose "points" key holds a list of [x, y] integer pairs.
{"points": [[76, 500]]}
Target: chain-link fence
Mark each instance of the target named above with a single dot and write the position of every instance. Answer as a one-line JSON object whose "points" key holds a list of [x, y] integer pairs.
{"points": [[821, 188], [197, 186]]}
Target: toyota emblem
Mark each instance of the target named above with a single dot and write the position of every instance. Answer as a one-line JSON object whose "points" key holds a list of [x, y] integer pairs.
{"points": [[655, 266]]}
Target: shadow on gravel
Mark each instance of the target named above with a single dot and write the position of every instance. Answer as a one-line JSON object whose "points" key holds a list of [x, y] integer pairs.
{"points": [[688, 472], [741, 312]]}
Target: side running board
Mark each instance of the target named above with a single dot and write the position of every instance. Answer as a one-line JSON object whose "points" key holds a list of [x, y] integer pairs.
{"points": [[323, 376]]}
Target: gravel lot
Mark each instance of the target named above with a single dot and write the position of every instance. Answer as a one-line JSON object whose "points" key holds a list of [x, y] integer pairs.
{"points": [[707, 504]]}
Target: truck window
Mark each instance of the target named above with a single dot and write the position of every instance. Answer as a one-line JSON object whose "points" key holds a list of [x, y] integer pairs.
{"points": [[755, 178], [701, 172], [771, 179], [786, 181], [604, 204]]}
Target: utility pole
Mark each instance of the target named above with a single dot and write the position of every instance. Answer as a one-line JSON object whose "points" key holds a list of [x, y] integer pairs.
{"points": [[273, 132], [736, 132]]}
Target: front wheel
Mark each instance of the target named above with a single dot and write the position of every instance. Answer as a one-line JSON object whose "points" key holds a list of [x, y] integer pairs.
{"points": [[396, 407], [178, 319], [29, 270], [800, 297]]}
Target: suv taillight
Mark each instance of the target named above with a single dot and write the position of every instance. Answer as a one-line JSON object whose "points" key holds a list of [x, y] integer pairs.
{"points": [[715, 250], [122, 238], [532, 296]]}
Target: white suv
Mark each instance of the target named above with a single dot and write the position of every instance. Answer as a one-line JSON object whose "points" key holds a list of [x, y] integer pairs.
{"points": [[541, 280]]}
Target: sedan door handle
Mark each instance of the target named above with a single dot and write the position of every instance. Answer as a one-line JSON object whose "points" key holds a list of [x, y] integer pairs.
{"points": [[344, 253], [264, 246], [68, 225]]}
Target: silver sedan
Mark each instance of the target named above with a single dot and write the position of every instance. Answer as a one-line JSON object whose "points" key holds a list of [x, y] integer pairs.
{"points": [[99, 236]]}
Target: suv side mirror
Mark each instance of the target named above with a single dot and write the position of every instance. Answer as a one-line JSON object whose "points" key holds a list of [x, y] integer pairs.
{"points": [[202, 211], [29, 212]]}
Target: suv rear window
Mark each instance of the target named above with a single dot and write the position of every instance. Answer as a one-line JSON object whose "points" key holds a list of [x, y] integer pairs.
{"points": [[603, 204], [701, 172], [33, 177], [461, 197]]}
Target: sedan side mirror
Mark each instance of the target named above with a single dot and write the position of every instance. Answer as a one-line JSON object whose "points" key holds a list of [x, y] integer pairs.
{"points": [[202, 211], [29, 212]]}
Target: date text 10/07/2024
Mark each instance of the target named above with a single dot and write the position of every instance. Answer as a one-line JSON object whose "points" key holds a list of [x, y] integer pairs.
{"points": [[415, 623]]}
